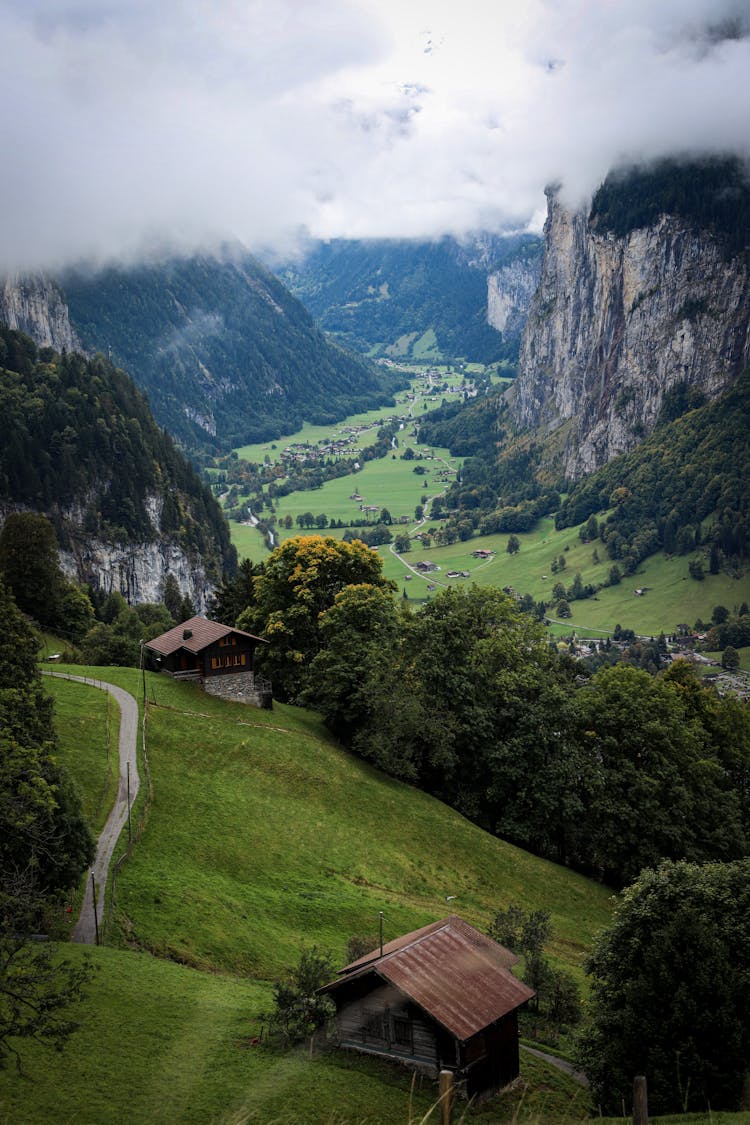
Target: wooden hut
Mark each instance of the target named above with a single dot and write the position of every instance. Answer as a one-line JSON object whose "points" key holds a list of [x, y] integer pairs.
{"points": [[442, 997]]}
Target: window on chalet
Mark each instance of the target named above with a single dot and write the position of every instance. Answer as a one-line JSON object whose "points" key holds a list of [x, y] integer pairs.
{"points": [[402, 1032], [374, 1026], [226, 642]]}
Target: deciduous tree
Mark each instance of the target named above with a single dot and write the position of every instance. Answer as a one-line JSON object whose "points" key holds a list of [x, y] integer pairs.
{"points": [[671, 990], [300, 582]]}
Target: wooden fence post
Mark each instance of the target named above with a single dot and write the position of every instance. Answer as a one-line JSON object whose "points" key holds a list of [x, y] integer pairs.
{"points": [[640, 1101], [446, 1097]]}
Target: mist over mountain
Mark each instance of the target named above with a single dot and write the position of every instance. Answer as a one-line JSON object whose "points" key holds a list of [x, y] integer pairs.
{"points": [[410, 299], [223, 350]]}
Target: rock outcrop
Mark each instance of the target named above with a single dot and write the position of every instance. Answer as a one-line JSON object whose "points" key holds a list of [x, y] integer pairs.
{"points": [[616, 322], [36, 306], [509, 294], [138, 571]]}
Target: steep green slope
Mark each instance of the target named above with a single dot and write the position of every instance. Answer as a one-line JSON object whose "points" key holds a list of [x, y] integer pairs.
{"points": [[80, 444], [161, 1043], [691, 469], [224, 351], [684, 487], [264, 835], [395, 293]]}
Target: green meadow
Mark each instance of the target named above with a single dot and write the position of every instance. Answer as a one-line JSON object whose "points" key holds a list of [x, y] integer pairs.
{"points": [[264, 837], [88, 725], [670, 596], [368, 421]]}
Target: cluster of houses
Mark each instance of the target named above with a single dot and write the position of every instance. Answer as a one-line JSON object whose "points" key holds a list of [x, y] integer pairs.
{"points": [[302, 453]]}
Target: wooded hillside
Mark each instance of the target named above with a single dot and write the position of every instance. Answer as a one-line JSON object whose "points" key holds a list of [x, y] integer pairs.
{"points": [[80, 444], [225, 353]]}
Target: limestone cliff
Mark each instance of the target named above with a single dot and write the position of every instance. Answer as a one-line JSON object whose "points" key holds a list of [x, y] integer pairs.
{"points": [[617, 321], [36, 306], [138, 571], [510, 290]]}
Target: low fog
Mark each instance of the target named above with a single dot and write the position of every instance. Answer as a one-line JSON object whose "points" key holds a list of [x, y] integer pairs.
{"points": [[132, 130]]}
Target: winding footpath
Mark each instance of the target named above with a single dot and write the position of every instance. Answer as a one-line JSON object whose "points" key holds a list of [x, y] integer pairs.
{"points": [[85, 928]]}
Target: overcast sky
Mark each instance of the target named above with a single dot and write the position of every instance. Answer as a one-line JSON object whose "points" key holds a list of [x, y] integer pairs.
{"points": [[134, 127]]}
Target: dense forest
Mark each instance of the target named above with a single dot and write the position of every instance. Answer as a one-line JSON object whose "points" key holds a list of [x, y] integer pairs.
{"points": [[692, 468], [80, 444], [708, 194], [225, 353], [608, 771], [379, 292]]}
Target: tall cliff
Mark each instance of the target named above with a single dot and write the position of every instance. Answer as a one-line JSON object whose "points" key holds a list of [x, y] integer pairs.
{"points": [[510, 291], [620, 318], [35, 305]]}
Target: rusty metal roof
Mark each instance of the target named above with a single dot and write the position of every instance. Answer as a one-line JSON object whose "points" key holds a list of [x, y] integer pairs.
{"points": [[453, 972], [194, 635]]}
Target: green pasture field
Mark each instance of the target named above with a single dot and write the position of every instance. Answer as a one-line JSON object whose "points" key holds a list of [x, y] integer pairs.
{"points": [[264, 836], [388, 483], [87, 721], [744, 655], [371, 419], [160, 1043], [671, 596]]}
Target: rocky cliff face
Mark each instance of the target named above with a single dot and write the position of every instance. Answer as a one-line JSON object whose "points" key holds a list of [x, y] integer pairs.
{"points": [[137, 570], [616, 322], [36, 306], [509, 294]]}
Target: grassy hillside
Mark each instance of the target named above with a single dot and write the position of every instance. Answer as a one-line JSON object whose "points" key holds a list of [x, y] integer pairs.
{"points": [[265, 836], [161, 1043], [88, 724]]}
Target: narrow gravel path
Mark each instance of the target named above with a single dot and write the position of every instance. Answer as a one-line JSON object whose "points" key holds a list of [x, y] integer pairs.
{"points": [[561, 1064], [85, 928]]}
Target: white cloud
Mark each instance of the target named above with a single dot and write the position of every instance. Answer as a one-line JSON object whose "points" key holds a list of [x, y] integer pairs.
{"points": [[129, 127]]}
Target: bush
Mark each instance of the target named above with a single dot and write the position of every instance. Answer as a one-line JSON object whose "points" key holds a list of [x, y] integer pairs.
{"points": [[298, 1008]]}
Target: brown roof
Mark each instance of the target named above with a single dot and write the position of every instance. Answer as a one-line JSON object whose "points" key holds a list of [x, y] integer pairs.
{"points": [[453, 972], [201, 633]]}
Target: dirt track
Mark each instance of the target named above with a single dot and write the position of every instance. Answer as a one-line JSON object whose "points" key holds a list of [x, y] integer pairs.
{"points": [[85, 928]]}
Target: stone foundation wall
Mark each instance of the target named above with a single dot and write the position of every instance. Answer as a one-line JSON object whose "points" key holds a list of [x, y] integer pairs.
{"points": [[240, 687]]}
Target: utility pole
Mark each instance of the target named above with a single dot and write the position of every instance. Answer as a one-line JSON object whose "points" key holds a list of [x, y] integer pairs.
{"points": [[640, 1101], [130, 834], [93, 895]]}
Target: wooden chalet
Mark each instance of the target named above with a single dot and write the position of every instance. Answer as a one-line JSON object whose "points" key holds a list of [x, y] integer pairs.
{"points": [[220, 657], [442, 997]]}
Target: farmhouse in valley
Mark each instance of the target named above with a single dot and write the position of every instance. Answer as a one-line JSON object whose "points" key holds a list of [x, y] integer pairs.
{"points": [[442, 997], [219, 657]]}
